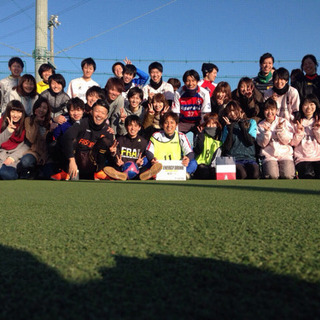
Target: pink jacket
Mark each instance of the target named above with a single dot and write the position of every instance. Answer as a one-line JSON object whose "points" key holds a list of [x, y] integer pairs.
{"points": [[275, 143], [306, 144]]}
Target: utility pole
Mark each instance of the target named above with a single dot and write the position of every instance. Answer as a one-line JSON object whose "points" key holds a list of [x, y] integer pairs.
{"points": [[53, 22], [40, 54]]}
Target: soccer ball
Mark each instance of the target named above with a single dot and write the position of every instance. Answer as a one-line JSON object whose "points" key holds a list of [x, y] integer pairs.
{"points": [[131, 169]]}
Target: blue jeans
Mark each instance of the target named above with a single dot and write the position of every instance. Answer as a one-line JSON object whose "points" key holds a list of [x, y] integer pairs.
{"points": [[8, 173]]}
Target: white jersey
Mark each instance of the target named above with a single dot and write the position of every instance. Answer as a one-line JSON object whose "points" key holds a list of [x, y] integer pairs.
{"points": [[165, 88], [78, 88], [287, 103]]}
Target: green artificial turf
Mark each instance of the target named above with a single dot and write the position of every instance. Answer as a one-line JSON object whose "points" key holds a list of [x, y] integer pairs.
{"points": [[160, 250]]}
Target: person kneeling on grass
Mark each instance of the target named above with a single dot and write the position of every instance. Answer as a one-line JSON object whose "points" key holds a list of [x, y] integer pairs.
{"points": [[169, 144], [238, 137], [79, 140], [207, 146], [126, 149], [274, 136]]}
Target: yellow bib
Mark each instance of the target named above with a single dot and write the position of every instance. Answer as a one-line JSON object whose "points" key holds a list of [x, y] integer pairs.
{"points": [[170, 150]]}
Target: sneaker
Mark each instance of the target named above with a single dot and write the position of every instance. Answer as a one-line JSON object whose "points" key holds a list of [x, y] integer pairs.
{"points": [[100, 175], [152, 172], [62, 175], [115, 174]]}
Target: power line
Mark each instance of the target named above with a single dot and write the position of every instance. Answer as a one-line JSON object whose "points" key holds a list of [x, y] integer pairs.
{"points": [[21, 10], [63, 11], [116, 27], [16, 49], [17, 31]]}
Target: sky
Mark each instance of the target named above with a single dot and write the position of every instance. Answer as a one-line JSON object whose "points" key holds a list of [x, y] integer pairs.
{"points": [[181, 34]]}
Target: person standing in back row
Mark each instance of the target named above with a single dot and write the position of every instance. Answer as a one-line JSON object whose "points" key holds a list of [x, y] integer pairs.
{"points": [[79, 86], [264, 81], [157, 85], [209, 71], [16, 66]]}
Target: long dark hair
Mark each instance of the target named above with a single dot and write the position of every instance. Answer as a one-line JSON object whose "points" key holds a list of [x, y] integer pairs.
{"points": [[14, 105], [37, 105]]}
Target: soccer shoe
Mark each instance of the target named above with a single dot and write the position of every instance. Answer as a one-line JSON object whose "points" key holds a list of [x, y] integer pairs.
{"points": [[115, 174], [152, 172], [100, 175], [62, 175]]}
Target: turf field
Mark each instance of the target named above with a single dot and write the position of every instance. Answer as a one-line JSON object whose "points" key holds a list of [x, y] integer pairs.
{"points": [[160, 250]]}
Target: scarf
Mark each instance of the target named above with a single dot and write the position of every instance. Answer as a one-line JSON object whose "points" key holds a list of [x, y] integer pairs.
{"points": [[154, 85], [190, 92], [263, 78], [127, 86], [282, 91], [14, 140]]}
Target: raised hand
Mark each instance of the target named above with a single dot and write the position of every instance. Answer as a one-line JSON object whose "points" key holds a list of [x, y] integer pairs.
{"points": [[241, 114], [200, 128], [113, 148], [165, 110], [139, 161], [226, 120], [127, 61], [316, 124], [11, 125], [300, 127], [150, 109], [119, 161]]}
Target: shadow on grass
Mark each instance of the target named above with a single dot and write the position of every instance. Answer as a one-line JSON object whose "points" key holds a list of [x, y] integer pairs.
{"points": [[216, 185], [159, 287]]}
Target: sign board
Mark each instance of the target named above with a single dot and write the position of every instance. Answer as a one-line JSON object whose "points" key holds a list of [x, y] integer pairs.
{"points": [[172, 170]]}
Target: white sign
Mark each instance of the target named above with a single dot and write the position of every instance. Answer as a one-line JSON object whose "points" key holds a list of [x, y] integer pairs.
{"points": [[172, 170]]}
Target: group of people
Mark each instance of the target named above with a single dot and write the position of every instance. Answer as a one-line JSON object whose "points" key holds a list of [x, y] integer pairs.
{"points": [[269, 125]]}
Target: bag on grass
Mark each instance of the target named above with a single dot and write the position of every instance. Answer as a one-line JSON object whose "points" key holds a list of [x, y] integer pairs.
{"points": [[225, 168]]}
